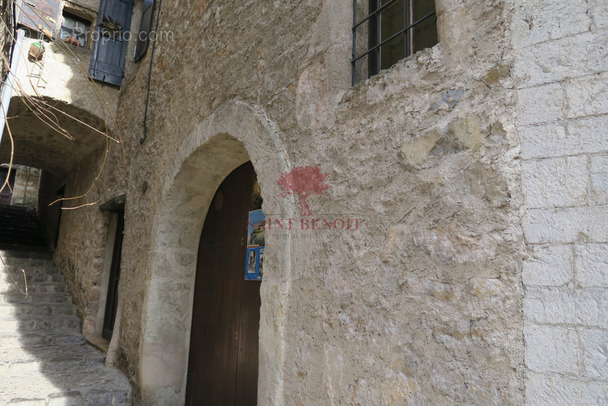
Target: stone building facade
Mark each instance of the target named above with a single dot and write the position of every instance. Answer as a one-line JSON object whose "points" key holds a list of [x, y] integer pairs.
{"points": [[476, 172]]}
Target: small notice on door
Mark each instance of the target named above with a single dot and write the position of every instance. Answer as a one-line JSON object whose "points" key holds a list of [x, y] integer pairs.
{"points": [[254, 268]]}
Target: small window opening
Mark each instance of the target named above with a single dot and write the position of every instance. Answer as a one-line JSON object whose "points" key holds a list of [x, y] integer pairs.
{"points": [[386, 31], [74, 30]]}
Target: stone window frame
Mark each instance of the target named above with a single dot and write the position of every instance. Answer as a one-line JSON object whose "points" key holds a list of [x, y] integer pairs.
{"points": [[82, 13], [367, 59], [78, 22]]}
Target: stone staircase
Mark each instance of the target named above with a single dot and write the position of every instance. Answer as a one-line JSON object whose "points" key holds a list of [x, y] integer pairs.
{"points": [[19, 226], [44, 358]]}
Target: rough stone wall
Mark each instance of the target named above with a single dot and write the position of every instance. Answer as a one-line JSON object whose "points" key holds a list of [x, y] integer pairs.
{"points": [[562, 113], [422, 304], [82, 237]]}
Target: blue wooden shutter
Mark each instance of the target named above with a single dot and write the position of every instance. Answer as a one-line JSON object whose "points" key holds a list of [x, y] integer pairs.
{"points": [[111, 35], [143, 39]]}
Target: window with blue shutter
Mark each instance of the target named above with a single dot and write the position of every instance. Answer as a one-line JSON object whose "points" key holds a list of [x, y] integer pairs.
{"points": [[111, 35], [143, 38]]}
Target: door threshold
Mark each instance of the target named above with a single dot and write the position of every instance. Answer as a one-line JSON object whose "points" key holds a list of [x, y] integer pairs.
{"points": [[98, 342]]}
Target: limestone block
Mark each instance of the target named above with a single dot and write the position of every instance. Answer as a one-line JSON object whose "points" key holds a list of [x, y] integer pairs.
{"points": [[545, 141], [599, 179], [590, 133], [540, 104], [599, 11], [569, 57], [556, 182], [541, 20], [563, 306], [592, 265], [551, 349], [588, 95], [542, 390], [579, 136], [548, 266], [594, 346], [591, 305], [566, 225]]}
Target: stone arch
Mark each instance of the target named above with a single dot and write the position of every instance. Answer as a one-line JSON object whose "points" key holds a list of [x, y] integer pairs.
{"points": [[39, 146], [231, 136]]}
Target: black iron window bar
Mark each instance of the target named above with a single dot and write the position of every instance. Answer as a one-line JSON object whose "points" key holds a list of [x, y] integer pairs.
{"points": [[374, 14]]}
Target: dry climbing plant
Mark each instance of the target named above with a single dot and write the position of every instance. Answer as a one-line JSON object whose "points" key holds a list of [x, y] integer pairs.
{"points": [[49, 114]]}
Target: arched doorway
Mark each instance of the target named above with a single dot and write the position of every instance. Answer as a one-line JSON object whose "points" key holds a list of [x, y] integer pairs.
{"points": [[223, 356], [233, 135]]}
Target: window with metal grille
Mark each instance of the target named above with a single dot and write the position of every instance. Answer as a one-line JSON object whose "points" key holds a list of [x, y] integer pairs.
{"points": [[386, 31]]}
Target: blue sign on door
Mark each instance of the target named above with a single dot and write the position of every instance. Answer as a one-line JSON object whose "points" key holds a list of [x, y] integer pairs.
{"points": [[254, 268]]}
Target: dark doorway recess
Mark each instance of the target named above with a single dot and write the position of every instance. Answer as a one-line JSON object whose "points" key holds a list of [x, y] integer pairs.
{"points": [[112, 294], [223, 358], [59, 205]]}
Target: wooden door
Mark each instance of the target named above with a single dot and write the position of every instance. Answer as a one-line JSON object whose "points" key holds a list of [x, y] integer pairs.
{"points": [[223, 360]]}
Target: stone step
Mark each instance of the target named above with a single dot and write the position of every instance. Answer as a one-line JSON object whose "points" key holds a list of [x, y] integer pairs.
{"points": [[49, 358], [44, 359], [31, 277], [48, 298], [33, 287], [25, 252], [30, 272], [41, 309], [96, 386], [40, 338], [39, 322], [27, 262]]}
